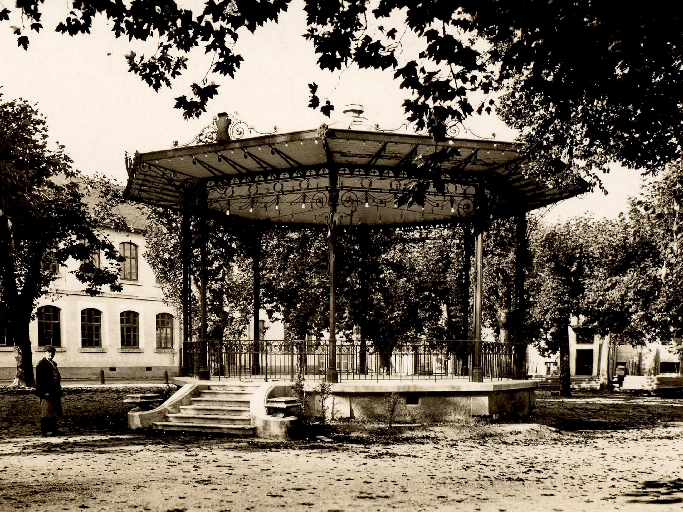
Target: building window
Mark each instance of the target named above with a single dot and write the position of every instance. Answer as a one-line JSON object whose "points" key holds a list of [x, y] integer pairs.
{"points": [[129, 267], [130, 322], [91, 327], [669, 367], [164, 330], [584, 335], [50, 266], [49, 329]]}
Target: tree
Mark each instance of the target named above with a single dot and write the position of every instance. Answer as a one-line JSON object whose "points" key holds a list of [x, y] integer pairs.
{"points": [[597, 271], [619, 288], [216, 28], [609, 95], [393, 284], [395, 287], [44, 221], [228, 275], [295, 280], [499, 278], [656, 219], [557, 285]]}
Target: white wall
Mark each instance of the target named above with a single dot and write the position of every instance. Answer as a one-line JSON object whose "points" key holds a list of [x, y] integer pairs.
{"points": [[142, 296]]}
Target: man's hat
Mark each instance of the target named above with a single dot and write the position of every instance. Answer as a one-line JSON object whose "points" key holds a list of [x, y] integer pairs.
{"points": [[50, 349]]}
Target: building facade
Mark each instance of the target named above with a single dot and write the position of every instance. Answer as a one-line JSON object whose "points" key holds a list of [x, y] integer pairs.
{"points": [[130, 334]]}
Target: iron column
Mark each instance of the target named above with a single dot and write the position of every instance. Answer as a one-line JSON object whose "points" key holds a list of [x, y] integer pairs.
{"points": [[477, 371], [331, 374]]}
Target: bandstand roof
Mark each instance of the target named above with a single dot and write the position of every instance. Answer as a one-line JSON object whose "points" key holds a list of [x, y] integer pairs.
{"points": [[286, 178]]}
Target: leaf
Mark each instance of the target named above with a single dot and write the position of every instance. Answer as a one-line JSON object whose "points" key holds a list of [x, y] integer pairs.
{"points": [[4, 14], [23, 42], [314, 102], [195, 107], [327, 108]]}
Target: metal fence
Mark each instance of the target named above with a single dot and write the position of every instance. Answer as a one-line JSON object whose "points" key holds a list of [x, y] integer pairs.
{"points": [[282, 359]]}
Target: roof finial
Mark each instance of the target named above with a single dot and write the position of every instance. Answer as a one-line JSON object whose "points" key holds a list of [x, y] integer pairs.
{"points": [[354, 113]]}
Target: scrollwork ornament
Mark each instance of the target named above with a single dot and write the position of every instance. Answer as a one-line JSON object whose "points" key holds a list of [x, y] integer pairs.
{"points": [[453, 129], [349, 199], [237, 129], [319, 200], [465, 207]]}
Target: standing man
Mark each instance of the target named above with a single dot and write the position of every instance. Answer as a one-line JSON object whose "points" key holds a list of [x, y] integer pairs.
{"points": [[49, 390]]}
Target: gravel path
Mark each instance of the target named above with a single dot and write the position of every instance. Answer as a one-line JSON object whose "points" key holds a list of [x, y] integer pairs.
{"points": [[504, 467], [514, 467]]}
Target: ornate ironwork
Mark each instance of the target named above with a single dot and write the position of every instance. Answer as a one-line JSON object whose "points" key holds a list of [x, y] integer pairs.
{"points": [[410, 359]]}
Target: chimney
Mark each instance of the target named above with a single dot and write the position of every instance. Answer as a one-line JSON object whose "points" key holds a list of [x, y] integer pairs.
{"points": [[222, 126]]}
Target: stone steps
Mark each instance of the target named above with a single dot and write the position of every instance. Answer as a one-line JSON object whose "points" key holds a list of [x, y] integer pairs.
{"points": [[239, 403], [235, 430], [199, 409], [223, 409], [207, 419]]}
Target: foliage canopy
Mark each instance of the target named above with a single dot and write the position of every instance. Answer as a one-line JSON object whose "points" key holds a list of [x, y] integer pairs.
{"points": [[585, 82], [44, 221]]}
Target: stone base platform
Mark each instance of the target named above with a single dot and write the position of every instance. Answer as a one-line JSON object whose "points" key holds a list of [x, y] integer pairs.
{"points": [[429, 401]]}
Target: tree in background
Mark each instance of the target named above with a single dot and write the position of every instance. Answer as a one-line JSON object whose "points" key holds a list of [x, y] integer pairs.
{"points": [[656, 219], [295, 280], [499, 278], [395, 285], [557, 284], [600, 272], [228, 273], [44, 222], [619, 290]]}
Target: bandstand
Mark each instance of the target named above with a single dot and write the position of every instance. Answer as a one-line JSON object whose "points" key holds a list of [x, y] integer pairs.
{"points": [[341, 179]]}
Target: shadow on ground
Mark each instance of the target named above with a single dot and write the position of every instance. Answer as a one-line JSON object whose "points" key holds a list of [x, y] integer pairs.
{"points": [[605, 412], [93, 411], [662, 493]]}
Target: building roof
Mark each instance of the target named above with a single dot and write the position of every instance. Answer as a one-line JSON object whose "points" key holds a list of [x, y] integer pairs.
{"points": [[134, 215], [289, 178]]}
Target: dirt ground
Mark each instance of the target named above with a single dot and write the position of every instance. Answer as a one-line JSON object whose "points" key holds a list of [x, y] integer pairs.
{"points": [[591, 452]]}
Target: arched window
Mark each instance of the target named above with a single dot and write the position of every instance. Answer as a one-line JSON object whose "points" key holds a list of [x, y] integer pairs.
{"points": [[91, 327], [129, 267], [164, 330], [49, 329], [130, 329]]}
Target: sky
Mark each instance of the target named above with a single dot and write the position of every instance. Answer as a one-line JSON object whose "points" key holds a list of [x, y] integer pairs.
{"points": [[99, 111]]}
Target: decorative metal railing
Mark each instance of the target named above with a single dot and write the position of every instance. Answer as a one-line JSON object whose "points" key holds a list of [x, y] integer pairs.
{"points": [[283, 359]]}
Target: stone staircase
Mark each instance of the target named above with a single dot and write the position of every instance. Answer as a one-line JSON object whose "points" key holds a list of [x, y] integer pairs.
{"points": [[581, 382], [221, 409], [578, 382]]}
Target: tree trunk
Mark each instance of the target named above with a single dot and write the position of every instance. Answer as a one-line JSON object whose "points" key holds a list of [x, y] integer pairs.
{"points": [[16, 320], [385, 359], [518, 314], [23, 341], [503, 316], [565, 376]]}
